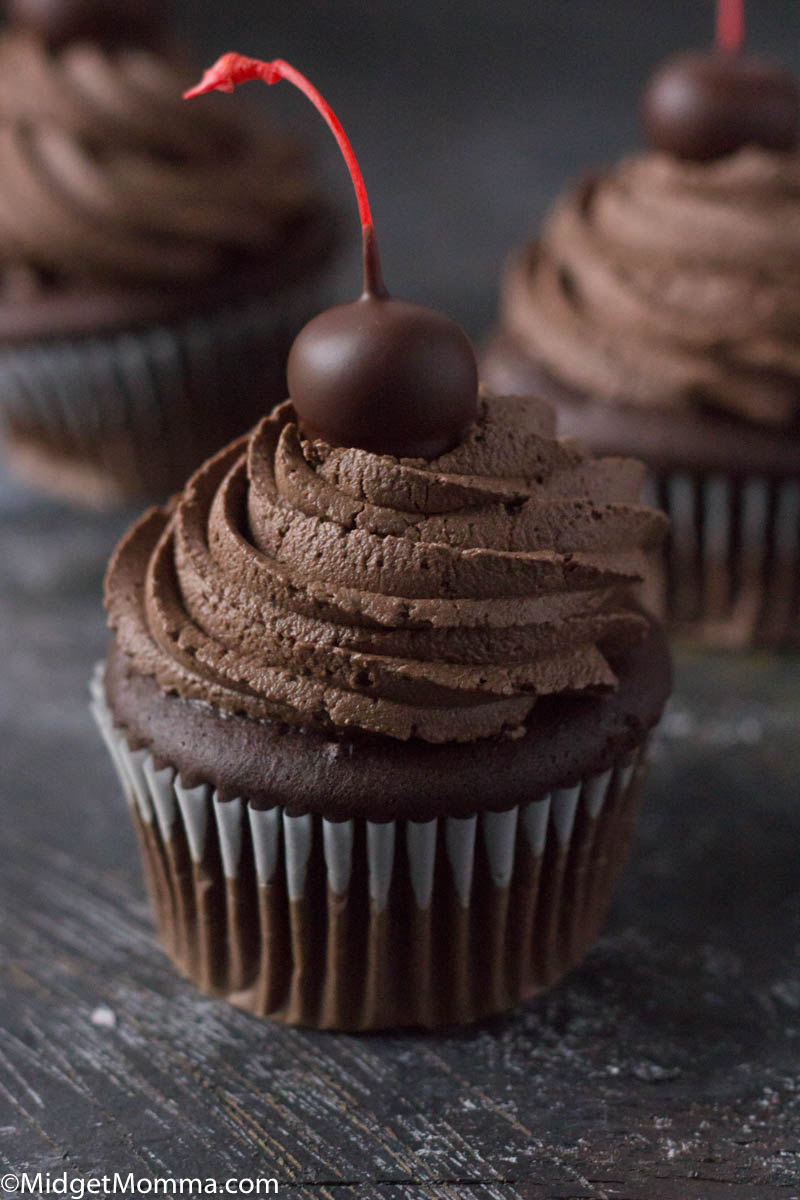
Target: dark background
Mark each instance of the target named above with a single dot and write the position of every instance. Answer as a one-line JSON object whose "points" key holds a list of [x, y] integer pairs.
{"points": [[467, 116], [667, 1066]]}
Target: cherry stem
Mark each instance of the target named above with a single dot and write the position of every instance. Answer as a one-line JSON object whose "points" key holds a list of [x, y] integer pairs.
{"points": [[232, 69], [730, 24]]}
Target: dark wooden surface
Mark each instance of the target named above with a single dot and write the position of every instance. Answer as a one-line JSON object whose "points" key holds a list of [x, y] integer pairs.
{"points": [[668, 1066]]}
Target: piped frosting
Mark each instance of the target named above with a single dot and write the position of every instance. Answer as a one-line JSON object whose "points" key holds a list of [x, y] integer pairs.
{"points": [[671, 284], [110, 179], [298, 582]]}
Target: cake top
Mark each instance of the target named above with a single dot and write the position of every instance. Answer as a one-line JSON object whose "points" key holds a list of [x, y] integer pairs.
{"points": [[332, 587], [424, 573]]}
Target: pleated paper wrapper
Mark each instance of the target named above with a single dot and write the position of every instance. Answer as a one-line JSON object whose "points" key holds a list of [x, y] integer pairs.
{"points": [[359, 925], [731, 572], [130, 415]]}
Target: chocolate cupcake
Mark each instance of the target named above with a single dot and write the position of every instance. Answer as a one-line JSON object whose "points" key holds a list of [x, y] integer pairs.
{"points": [[659, 310], [155, 263], [381, 716]]}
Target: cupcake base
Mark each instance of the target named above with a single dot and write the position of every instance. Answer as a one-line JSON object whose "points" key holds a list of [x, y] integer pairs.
{"points": [[351, 881], [359, 925], [731, 576]]}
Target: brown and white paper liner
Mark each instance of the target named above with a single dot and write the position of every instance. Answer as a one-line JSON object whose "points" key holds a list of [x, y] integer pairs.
{"points": [[132, 414], [356, 925], [731, 573]]}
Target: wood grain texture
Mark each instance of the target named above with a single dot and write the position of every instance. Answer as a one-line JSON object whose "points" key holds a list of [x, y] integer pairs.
{"points": [[668, 1066]]}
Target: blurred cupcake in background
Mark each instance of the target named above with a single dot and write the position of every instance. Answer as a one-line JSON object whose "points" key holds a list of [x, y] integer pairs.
{"points": [[659, 309], [155, 264]]}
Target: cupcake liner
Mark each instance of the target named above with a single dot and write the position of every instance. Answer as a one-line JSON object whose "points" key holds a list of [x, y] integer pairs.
{"points": [[357, 925], [133, 413], [731, 572]]}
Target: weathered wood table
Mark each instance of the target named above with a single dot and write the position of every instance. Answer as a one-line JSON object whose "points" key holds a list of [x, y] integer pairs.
{"points": [[668, 1066]]}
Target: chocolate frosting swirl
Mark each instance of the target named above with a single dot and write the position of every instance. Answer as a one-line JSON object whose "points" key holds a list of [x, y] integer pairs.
{"points": [[293, 581], [110, 178], [671, 283]]}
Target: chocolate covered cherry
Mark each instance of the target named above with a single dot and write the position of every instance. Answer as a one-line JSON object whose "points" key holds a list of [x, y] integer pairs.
{"points": [[379, 374], [384, 375], [704, 106], [112, 22]]}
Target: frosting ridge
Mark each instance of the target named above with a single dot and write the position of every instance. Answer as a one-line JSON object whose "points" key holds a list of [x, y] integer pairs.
{"points": [[108, 178], [671, 283], [299, 582]]}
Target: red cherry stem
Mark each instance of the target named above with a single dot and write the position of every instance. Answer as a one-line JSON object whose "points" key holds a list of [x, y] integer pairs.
{"points": [[730, 25], [233, 69]]}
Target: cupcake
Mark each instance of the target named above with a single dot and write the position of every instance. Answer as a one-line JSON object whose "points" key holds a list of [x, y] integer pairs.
{"points": [[379, 688], [155, 264], [659, 310]]}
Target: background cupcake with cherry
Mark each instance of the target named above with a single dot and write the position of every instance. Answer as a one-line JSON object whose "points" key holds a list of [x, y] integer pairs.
{"points": [[659, 310], [154, 266]]}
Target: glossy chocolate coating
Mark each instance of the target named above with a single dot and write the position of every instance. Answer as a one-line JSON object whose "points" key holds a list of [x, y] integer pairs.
{"points": [[704, 106], [114, 23], [384, 375]]}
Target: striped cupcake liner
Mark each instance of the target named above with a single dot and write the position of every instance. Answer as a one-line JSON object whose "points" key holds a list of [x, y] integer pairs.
{"points": [[731, 573], [132, 414], [357, 925]]}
